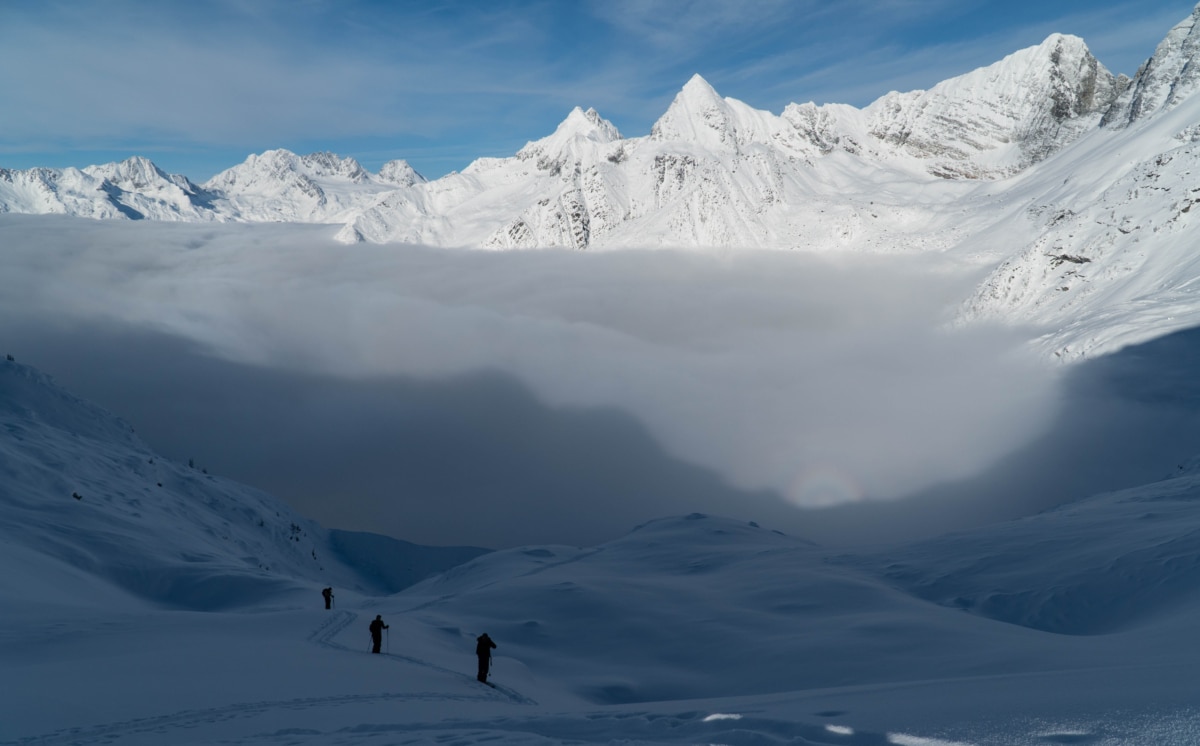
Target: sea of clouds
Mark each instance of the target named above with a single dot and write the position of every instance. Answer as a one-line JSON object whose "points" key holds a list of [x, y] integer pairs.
{"points": [[498, 398]]}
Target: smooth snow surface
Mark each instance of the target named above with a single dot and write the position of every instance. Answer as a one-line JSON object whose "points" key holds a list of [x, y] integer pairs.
{"points": [[190, 614]]}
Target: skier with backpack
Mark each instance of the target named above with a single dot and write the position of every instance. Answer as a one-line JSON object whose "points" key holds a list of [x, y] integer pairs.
{"points": [[328, 594], [483, 650], [377, 628]]}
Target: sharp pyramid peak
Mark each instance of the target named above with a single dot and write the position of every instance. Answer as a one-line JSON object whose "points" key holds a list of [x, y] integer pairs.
{"points": [[697, 114], [697, 84], [697, 93], [579, 125]]}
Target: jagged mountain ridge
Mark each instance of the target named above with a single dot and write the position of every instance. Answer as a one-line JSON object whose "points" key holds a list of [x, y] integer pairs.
{"points": [[1074, 182], [713, 171]]}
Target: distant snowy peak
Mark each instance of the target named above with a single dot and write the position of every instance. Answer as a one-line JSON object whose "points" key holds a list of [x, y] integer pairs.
{"points": [[1000, 119], [1172, 74], [140, 174], [279, 185], [697, 114], [280, 169], [700, 116], [46, 191], [574, 139], [134, 189], [400, 173], [579, 124], [141, 189]]}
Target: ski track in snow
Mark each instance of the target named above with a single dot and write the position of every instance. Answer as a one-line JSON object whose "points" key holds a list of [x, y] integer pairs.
{"points": [[323, 636]]}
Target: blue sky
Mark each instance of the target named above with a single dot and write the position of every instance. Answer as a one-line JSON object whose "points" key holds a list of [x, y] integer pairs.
{"points": [[198, 86]]}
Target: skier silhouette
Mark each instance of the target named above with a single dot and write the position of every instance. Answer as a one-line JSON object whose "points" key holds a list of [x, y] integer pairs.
{"points": [[483, 649], [328, 594], [377, 628]]}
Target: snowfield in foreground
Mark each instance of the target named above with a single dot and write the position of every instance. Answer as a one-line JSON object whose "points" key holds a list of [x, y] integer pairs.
{"points": [[190, 613]]}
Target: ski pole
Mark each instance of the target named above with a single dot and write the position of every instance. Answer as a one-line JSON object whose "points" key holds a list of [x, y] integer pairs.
{"points": [[389, 641]]}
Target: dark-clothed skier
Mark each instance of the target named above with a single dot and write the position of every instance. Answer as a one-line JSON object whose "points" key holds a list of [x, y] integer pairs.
{"points": [[377, 628], [483, 649], [328, 594]]}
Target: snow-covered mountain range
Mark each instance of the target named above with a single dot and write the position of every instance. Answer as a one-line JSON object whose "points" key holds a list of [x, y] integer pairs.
{"points": [[1075, 182], [712, 172]]}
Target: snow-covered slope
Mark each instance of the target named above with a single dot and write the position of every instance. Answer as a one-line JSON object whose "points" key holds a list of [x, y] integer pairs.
{"points": [[85, 501], [999, 120], [1102, 235], [1113, 562], [690, 629]]}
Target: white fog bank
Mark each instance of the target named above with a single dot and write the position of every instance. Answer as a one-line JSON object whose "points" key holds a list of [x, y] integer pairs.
{"points": [[824, 381]]}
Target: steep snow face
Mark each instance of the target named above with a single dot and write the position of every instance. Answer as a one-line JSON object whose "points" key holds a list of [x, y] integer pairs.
{"points": [[1165, 79], [1107, 252], [1001, 119], [82, 494]]}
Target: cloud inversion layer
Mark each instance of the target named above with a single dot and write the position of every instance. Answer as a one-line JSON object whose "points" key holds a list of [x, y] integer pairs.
{"points": [[822, 381]]}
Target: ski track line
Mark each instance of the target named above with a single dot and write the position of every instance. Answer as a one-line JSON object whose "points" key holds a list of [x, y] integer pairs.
{"points": [[324, 634]]}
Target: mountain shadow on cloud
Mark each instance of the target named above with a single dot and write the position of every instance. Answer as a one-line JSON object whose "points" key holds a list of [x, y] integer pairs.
{"points": [[470, 459], [1125, 419]]}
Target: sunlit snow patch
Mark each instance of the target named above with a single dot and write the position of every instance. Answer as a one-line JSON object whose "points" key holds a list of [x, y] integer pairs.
{"points": [[840, 730], [721, 716]]}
